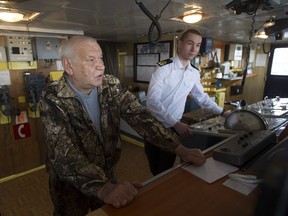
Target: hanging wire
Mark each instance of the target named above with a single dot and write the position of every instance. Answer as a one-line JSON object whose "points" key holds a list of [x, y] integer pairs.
{"points": [[249, 47], [154, 23]]}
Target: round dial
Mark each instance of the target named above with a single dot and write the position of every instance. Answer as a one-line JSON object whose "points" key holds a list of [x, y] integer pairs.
{"points": [[245, 120]]}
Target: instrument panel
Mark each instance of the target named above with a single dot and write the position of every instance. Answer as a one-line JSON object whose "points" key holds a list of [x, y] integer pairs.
{"points": [[252, 131], [245, 120]]}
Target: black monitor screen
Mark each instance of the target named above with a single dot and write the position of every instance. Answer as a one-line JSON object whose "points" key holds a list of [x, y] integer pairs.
{"points": [[15, 50]]}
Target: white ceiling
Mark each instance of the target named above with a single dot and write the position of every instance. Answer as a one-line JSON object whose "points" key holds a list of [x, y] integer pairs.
{"points": [[123, 20]]}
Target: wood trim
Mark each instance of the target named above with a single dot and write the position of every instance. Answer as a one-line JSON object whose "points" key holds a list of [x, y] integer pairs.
{"points": [[180, 193], [21, 174]]}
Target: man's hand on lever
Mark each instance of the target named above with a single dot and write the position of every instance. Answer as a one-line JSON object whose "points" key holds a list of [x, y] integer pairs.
{"points": [[118, 195], [225, 113]]}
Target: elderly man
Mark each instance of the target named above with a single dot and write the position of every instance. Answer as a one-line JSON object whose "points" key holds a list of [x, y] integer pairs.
{"points": [[81, 114]]}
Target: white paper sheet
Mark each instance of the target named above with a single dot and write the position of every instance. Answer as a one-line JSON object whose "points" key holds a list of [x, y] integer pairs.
{"points": [[212, 170], [243, 188], [5, 78]]}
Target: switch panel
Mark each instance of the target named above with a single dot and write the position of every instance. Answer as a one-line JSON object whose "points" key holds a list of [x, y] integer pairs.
{"points": [[243, 147], [19, 48]]}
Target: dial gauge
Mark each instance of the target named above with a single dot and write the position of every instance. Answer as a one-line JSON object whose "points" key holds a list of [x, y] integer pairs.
{"points": [[245, 120]]}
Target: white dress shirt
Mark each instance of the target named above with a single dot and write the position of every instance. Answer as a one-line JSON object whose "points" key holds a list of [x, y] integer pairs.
{"points": [[168, 89]]}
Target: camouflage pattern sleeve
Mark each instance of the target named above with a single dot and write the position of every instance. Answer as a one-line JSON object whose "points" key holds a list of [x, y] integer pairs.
{"points": [[67, 158], [142, 121]]}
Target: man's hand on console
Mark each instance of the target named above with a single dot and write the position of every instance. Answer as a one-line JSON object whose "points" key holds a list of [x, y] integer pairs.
{"points": [[194, 156]]}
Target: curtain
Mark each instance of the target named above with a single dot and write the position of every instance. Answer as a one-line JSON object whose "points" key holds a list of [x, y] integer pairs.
{"points": [[110, 57]]}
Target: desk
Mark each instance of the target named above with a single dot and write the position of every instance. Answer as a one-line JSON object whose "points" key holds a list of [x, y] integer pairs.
{"points": [[180, 193]]}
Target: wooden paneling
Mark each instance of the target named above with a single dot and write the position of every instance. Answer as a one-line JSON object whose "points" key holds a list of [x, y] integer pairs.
{"points": [[6, 163], [20, 155]]}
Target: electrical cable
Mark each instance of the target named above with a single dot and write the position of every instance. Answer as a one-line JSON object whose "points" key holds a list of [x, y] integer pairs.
{"points": [[7, 141], [250, 7], [154, 23], [249, 47]]}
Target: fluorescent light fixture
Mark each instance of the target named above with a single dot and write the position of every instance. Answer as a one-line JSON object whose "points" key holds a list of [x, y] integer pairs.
{"points": [[261, 34], [269, 22], [33, 15], [192, 18], [11, 16]]}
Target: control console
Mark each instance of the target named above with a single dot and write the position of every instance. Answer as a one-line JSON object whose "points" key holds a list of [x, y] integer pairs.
{"points": [[252, 131], [243, 147]]}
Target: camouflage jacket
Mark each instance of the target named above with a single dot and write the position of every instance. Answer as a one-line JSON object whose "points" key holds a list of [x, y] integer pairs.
{"points": [[75, 152]]}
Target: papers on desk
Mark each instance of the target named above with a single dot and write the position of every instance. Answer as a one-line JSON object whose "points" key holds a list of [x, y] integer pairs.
{"points": [[212, 170], [243, 188]]}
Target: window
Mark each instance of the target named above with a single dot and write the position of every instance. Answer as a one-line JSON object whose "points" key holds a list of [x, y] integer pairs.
{"points": [[279, 62], [277, 73]]}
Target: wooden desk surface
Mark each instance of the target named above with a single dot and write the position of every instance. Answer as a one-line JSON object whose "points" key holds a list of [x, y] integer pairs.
{"points": [[181, 193]]}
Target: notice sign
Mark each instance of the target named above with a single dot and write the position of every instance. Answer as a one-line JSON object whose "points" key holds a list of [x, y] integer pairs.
{"points": [[21, 118], [22, 131]]}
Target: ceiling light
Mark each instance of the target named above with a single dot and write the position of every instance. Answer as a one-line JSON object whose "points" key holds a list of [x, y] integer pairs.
{"points": [[269, 22], [192, 18], [261, 34], [11, 16]]}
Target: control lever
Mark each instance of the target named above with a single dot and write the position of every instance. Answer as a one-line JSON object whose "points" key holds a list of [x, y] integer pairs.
{"points": [[241, 103], [232, 103]]}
